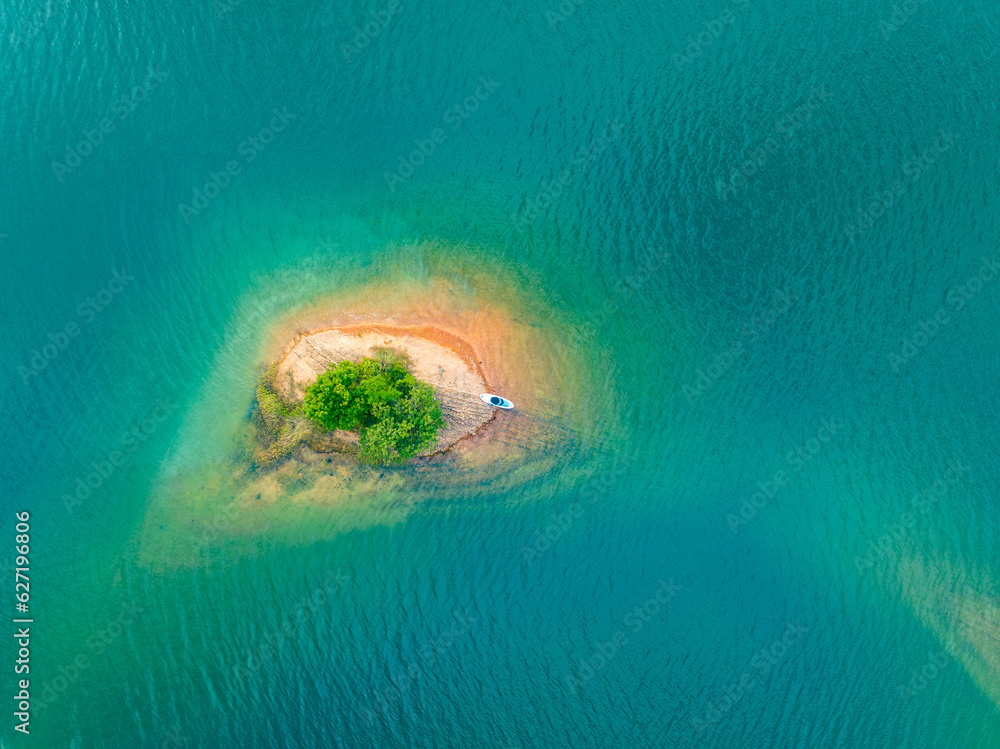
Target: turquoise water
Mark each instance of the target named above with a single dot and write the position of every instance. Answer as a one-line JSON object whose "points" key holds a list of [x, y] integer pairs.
{"points": [[763, 215]]}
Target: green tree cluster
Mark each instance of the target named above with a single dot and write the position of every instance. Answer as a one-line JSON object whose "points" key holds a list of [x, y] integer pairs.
{"points": [[395, 414]]}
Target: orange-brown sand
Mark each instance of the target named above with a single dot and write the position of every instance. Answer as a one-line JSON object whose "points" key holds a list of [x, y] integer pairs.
{"points": [[461, 345], [440, 359]]}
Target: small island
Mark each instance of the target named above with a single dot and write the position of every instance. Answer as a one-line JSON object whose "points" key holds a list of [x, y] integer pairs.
{"points": [[251, 465], [382, 393]]}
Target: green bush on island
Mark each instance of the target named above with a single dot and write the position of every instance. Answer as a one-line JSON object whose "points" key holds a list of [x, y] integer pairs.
{"points": [[395, 414]]}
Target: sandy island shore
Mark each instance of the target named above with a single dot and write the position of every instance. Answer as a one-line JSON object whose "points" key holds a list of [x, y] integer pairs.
{"points": [[440, 359]]}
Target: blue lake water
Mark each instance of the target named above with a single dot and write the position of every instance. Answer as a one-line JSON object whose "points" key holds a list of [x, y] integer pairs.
{"points": [[778, 225]]}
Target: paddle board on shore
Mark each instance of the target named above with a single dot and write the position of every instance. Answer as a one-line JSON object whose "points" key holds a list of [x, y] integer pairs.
{"points": [[496, 400]]}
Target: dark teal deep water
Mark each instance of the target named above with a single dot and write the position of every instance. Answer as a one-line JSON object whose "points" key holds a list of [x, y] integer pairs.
{"points": [[770, 214]]}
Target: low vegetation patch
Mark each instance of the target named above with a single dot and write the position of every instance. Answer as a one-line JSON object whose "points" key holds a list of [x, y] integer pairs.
{"points": [[274, 421]]}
